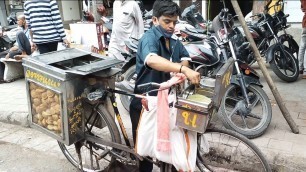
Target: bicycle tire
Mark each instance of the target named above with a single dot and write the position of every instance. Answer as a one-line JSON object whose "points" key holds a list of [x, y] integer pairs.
{"points": [[220, 156], [103, 116]]}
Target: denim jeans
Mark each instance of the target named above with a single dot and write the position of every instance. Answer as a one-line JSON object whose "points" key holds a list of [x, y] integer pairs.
{"points": [[301, 56]]}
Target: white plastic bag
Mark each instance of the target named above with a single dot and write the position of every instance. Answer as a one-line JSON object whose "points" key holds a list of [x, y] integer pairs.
{"points": [[183, 144]]}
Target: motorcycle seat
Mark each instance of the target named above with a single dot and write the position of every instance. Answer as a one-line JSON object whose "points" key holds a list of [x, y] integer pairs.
{"points": [[9, 27], [195, 35], [195, 30]]}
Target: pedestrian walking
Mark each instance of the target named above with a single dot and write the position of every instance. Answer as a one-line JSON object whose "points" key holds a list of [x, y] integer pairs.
{"points": [[301, 56], [127, 22], [45, 24]]}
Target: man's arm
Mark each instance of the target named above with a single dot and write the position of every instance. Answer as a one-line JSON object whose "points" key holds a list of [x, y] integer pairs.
{"points": [[138, 20], [161, 64]]}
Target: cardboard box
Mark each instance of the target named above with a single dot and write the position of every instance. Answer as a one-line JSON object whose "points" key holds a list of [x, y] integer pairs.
{"points": [[88, 34]]}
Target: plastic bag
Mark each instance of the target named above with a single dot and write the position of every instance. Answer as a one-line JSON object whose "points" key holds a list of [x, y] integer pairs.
{"points": [[183, 143]]}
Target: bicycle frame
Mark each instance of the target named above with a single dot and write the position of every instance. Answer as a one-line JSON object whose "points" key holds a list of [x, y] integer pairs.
{"points": [[101, 141]]}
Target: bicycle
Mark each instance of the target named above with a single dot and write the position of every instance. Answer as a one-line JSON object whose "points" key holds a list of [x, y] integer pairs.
{"points": [[102, 142]]}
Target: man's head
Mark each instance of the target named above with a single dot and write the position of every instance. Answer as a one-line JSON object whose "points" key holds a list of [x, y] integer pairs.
{"points": [[21, 21], [165, 14]]}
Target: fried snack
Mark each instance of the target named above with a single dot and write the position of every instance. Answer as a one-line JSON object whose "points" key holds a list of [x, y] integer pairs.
{"points": [[53, 104], [40, 90], [39, 109], [43, 122], [39, 116], [55, 117], [36, 102], [50, 93], [44, 95], [49, 120], [56, 99], [44, 106], [57, 108], [33, 86], [34, 94], [50, 100], [50, 127], [52, 110], [59, 123]]}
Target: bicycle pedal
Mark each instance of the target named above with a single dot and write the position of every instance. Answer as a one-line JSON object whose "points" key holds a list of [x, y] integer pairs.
{"points": [[103, 154]]}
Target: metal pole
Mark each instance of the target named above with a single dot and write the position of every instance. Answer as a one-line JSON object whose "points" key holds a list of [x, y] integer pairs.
{"points": [[264, 70]]}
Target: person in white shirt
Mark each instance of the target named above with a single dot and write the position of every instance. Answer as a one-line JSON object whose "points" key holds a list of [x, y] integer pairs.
{"points": [[127, 22], [23, 38]]}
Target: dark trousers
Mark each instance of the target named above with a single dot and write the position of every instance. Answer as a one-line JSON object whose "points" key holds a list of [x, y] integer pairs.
{"points": [[1, 71], [135, 110], [47, 47], [2, 55], [23, 42]]}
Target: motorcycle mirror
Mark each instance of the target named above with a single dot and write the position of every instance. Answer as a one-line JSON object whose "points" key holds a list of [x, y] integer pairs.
{"points": [[223, 3]]}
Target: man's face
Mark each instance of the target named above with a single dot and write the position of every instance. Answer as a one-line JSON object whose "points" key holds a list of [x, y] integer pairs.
{"points": [[20, 22], [166, 22]]}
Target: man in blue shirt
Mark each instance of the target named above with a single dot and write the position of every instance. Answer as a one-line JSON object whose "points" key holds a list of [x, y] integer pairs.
{"points": [[159, 53]]}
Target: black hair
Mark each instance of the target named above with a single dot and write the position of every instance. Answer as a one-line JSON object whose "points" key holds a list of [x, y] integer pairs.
{"points": [[166, 8]]}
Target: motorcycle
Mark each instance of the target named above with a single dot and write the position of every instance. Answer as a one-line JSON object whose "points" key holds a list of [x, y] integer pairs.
{"points": [[12, 19], [129, 72], [193, 17], [5, 42], [245, 107], [282, 54]]}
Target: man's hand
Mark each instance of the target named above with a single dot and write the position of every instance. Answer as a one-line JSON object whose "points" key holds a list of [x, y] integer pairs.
{"points": [[193, 76], [66, 43]]}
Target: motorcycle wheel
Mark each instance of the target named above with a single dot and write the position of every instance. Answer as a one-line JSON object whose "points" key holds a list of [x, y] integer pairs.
{"points": [[235, 116], [129, 76], [291, 44], [286, 67]]}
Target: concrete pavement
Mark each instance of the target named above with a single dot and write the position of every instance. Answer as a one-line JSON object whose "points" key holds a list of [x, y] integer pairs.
{"points": [[284, 150]]}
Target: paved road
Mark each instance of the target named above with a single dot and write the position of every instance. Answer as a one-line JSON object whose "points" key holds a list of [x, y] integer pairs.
{"points": [[284, 150], [27, 150]]}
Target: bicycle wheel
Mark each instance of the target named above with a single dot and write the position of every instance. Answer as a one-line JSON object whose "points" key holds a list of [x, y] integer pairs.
{"points": [[94, 156], [229, 151]]}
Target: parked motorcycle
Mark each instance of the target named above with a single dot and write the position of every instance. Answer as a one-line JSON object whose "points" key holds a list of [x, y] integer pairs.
{"points": [[193, 17], [245, 107], [12, 19], [5, 42], [281, 51], [129, 72]]}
